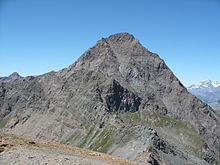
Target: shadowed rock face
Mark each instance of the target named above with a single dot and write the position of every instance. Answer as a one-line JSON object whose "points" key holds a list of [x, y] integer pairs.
{"points": [[115, 89], [119, 99]]}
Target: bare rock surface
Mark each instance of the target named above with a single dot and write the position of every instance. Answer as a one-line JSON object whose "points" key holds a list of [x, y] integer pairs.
{"points": [[35, 157]]}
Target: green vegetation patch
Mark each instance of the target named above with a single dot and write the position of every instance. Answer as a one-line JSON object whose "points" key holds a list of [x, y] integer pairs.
{"points": [[180, 127], [155, 120], [134, 118], [66, 114], [103, 141], [3, 122], [97, 132], [198, 141], [95, 139], [164, 120], [151, 118], [87, 137], [74, 137]]}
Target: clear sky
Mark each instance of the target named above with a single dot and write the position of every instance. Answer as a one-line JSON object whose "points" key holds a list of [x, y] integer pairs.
{"points": [[37, 36]]}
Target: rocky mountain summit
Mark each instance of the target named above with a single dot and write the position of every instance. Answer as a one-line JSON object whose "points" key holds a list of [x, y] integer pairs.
{"points": [[14, 76], [118, 98]]}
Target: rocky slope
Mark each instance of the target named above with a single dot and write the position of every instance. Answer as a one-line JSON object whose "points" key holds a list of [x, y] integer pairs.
{"points": [[14, 76], [18, 150], [118, 98]]}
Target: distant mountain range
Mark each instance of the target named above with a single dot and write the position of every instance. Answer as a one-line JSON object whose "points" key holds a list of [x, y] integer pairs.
{"points": [[10, 78], [205, 84], [207, 90]]}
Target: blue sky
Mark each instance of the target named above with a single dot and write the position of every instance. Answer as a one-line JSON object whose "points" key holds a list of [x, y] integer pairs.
{"points": [[37, 36]]}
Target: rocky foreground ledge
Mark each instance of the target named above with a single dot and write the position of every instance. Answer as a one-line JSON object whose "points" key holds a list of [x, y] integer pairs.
{"points": [[19, 150]]}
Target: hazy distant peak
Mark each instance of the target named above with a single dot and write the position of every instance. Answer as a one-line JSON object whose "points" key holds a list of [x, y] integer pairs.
{"points": [[12, 77], [207, 90], [204, 84]]}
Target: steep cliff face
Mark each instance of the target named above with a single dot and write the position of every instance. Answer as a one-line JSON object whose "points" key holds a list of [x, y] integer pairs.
{"points": [[108, 99]]}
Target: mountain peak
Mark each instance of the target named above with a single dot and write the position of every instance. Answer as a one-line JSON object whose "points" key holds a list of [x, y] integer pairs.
{"points": [[207, 90], [12, 77], [204, 84], [15, 75], [112, 52], [117, 40], [121, 37]]}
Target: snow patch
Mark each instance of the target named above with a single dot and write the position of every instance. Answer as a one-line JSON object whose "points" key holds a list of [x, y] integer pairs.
{"points": [[204, 84]]}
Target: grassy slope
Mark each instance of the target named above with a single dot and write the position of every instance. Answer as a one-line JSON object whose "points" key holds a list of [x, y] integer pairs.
{"points": [[102, 140]]}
